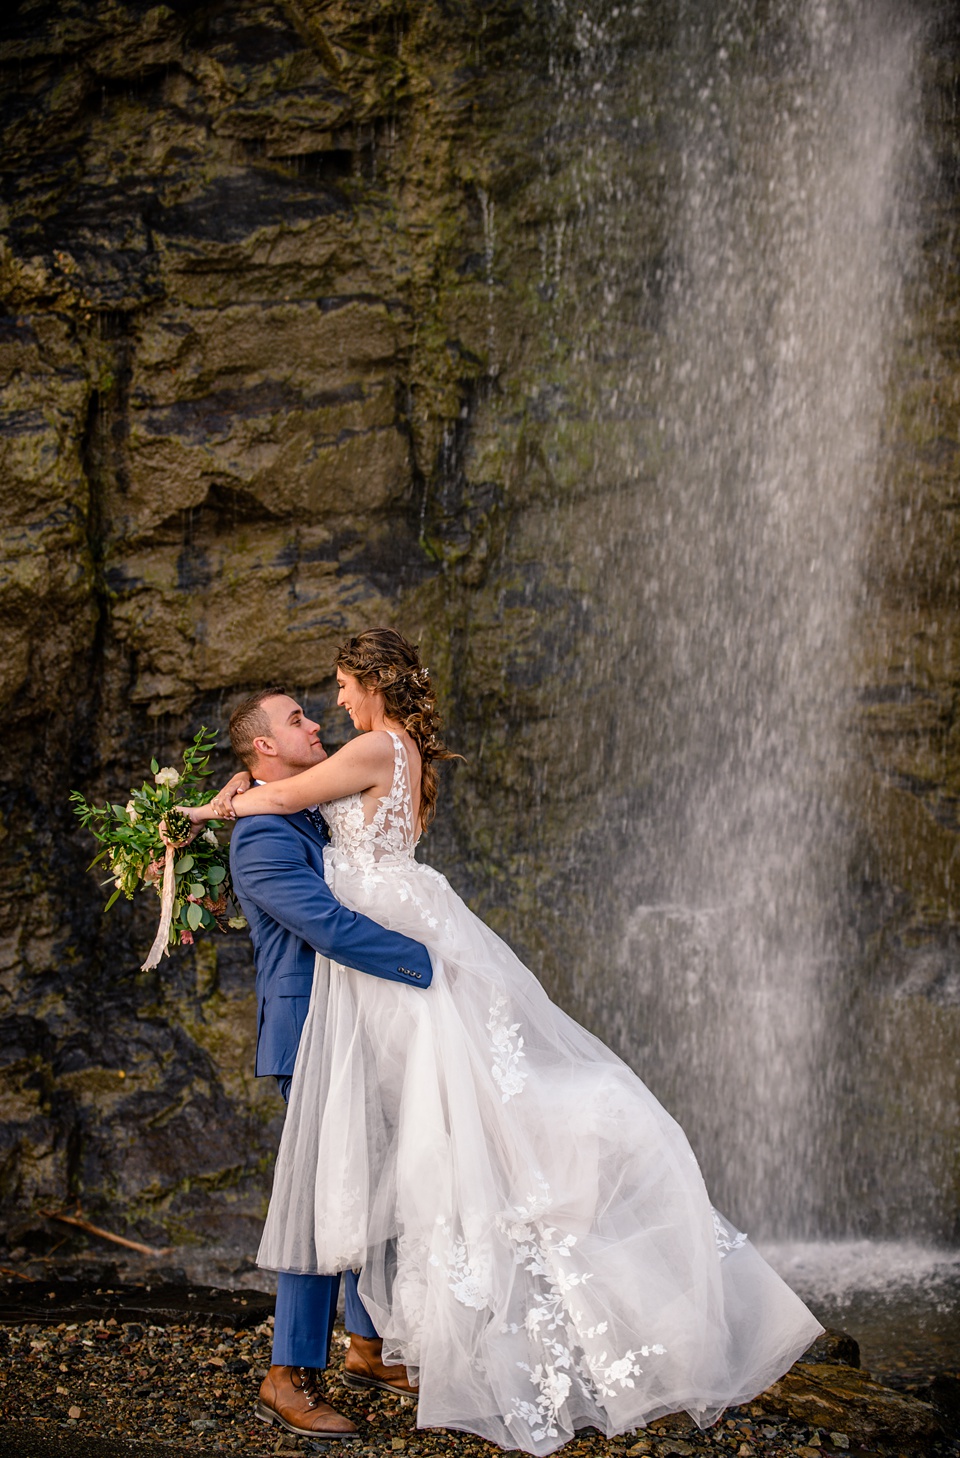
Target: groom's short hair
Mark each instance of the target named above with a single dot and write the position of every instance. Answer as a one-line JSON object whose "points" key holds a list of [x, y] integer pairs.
{"points": [[248, 721]]}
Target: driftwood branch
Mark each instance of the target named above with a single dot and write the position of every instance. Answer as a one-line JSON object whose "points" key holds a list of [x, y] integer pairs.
{"points": [[81, 1224], [17, 1275]]}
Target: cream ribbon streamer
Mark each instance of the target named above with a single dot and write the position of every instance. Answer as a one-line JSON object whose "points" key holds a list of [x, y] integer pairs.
{"points": [[160, 947]]}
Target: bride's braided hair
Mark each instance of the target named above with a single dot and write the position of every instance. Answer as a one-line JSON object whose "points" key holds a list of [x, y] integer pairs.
{"points": [[383, 660]]}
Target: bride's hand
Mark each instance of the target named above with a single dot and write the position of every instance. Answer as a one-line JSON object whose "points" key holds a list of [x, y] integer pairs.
{"points": [[179, 841], [222, 802]]}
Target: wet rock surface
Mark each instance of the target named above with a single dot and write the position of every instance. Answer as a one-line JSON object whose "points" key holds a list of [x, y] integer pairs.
{"points": [[831, 1396], [186, 1380], [304, 328], [244, 333]]}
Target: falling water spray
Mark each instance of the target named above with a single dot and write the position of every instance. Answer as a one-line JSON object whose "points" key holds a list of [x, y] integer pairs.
{"points": [[741, 386]]}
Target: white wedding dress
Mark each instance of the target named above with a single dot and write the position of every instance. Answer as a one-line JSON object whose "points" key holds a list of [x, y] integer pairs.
{"points": [[535, 1238]]}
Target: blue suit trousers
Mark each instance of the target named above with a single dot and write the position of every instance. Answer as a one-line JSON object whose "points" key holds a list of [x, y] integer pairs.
{"points": [[307, 1307]]}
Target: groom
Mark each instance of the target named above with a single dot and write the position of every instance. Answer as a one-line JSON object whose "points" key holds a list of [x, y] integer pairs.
{"points": [[277, 867]]}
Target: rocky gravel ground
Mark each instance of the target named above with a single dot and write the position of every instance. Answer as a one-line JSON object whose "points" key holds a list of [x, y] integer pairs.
{"points": [[109, 1385], [194, 1387]]}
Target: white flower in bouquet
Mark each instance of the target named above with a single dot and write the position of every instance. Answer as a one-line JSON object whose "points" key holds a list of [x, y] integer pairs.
{"points": [[167, 776]]}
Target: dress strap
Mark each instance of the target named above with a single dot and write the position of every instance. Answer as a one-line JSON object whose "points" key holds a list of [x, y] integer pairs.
{"points": [[399, 758], [401, 789]]}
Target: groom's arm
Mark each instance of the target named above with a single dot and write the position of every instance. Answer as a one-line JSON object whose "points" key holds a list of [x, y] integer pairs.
{"points": [[271, 869]]}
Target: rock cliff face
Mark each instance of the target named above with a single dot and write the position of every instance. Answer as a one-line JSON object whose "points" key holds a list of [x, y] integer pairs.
{"points": [[246, 333], [289, 348]]}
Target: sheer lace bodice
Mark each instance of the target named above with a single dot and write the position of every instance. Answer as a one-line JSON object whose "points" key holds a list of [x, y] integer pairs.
{"points": [[358, 842]]}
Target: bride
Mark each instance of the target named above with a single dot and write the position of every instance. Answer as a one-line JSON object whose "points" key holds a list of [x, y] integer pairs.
{"points": [[536, 1242]]}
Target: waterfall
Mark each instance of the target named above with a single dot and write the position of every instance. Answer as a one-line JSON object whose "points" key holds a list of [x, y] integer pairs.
{"points": [[741, 306]]}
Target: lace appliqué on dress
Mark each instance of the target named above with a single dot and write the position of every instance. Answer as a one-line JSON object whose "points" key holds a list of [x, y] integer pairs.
{"points": [[728, 1238], [354, 1235], [468, 1273], [572, 1349], [506, 1044]]}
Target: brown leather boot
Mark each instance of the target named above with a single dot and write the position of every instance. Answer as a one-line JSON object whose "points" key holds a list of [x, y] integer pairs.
{"points": [[292, 1398], [363, 1367]]}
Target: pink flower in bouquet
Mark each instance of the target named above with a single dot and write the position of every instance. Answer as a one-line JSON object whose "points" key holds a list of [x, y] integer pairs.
{"points": [[186, 939], [153, 872]]}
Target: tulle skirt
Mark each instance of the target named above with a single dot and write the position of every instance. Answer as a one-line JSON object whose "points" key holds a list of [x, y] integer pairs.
{"points": [[535, 1239]]}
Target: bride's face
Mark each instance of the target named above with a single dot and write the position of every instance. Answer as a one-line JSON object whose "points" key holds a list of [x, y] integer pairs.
{"points": [[363, 705]]}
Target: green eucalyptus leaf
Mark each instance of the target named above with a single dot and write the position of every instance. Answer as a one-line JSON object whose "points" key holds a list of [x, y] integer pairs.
{"points": [[194, 915], [184, 864], [197, 888], [215, 874]]}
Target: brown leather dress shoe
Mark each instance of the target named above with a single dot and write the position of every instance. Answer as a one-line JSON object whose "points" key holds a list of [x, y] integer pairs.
{"points": [[291, 1397], [363, 1367]]}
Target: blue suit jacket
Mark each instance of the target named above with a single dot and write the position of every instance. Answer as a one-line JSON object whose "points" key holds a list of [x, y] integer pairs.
{"points": [[277, 867]]}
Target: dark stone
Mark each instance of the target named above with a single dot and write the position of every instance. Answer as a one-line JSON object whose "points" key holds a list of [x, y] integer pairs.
{"points": [[50, 1303], [838, 1398], [833, 1349], [233, 208], [25, 1440], [944, 1394]]}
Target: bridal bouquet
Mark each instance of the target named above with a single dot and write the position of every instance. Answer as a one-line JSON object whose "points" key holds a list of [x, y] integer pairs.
{"points": [[193, 882]]}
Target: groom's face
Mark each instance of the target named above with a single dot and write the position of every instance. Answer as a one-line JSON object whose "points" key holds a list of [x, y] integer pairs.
{"points": [[293, 738]]}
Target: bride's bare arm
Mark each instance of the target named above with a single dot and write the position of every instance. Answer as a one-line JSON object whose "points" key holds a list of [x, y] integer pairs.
{"points": [[364, 763], [237, 784]]}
